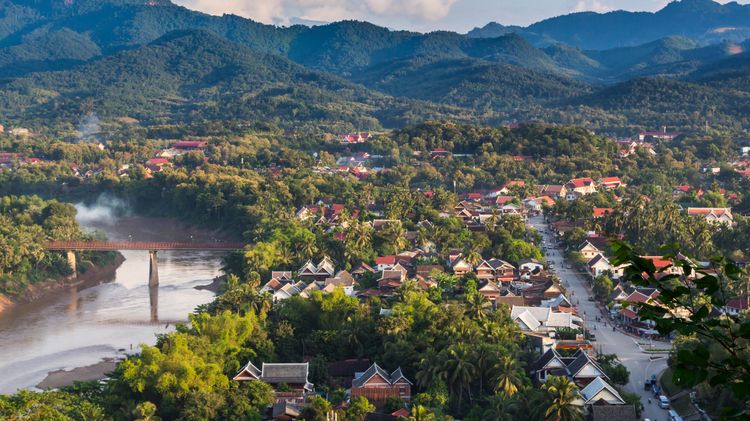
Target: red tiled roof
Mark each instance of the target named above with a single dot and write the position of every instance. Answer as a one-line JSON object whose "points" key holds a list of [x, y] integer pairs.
{"points": [[738, 303], [189, 144], [403, 413], [630, 314], [157, 161], [581, 182], [637, 297], [515, 183], [611, 180], [658, 261], [501, 200], [385, 260], [708, 211], [599, 212]]}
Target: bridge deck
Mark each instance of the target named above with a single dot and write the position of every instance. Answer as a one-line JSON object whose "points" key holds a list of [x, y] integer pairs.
{"points": [[139, 245]]}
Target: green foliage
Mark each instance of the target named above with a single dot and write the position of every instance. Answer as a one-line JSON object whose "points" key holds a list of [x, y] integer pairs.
{"points": [[614, 369], [717, 355], [27, 223], [358, 409], [48, 406]]}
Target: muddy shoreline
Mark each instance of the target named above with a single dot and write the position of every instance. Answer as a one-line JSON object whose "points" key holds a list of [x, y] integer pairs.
{"points": [[40, 291], [60, 378]]}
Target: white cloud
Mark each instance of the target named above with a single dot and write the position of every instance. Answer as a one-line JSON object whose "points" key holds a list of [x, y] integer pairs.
{"points": [[592, 6], [280, 11], [420, 15]]}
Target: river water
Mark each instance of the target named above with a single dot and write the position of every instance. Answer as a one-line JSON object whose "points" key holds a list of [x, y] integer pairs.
{"points": [[82, 326]]}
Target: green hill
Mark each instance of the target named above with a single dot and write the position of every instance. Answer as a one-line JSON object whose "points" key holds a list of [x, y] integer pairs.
{"points": [[471, 83], [195, 75]]}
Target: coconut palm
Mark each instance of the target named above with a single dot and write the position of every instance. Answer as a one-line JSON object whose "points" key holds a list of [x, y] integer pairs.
{"points": [[501, 408], [460, 370], [565, 404], [508, 377], [477, 305]]}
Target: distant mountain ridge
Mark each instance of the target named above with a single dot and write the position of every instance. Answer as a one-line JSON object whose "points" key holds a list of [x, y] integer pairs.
{"points": [[703, 21], [162, 63]]}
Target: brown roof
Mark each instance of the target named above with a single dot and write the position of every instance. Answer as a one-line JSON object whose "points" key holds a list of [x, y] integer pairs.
{"points": [[511, 300], [613, 413]]}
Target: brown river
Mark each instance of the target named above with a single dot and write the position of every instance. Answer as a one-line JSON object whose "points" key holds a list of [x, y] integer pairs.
{"points": [[82, 326]]}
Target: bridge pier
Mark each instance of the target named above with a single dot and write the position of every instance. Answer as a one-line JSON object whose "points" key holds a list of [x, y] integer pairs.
{"points": [[72, 262], [153, 269]]}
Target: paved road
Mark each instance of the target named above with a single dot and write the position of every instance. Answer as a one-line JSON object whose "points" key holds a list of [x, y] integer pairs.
{"points": [[625, 347]]}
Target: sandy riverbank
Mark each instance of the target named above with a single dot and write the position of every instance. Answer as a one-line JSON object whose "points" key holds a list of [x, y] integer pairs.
{"points": [[93, 276], [60, 378]]}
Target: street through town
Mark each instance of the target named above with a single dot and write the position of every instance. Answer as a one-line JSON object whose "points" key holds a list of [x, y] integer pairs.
{"points": [[640, 364]]}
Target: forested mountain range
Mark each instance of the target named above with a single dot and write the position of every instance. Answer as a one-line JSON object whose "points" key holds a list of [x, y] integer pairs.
{"points": [[703, 21], [159, 62]]}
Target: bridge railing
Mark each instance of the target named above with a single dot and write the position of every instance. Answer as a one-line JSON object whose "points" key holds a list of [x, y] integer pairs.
{"points": [[140, 245]]}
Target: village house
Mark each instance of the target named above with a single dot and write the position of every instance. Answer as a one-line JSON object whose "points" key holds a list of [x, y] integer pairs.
{"points": [[530, 265], [377, 385], [662, 135], [354, 138], [490, 290], [157, 164], [581, 186], [361, 270], [610, 183], [543, 319], [511, 185], [322, 213], [580, 368], [190, 145], [629, 147], [460, 266], [598, 391], [321, 271], [555, 191], [537, 204], [385, 263], [344, 280], [716, 216], [736, 306], [439, 153], [599, 265], [289, 380], [602, 212], [496, 269], [588, 250]]}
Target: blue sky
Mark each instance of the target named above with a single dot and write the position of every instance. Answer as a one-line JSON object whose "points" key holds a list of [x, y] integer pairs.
{"points": [[419, 15]]}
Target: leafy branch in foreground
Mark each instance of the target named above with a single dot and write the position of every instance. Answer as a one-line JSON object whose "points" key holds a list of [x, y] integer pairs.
{"points": [[691, 302]]}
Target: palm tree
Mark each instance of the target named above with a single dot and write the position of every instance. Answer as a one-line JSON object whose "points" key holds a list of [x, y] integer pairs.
{"points": [[484, 355], [420, 413], [508, 377], [307, 249], [493, 220], [476, 304], [408, 286], [501, 408], [431, 369], [473, 257], [460, 371], [565, 404]]}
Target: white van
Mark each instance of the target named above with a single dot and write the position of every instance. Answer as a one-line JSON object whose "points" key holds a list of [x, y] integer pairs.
{"points": [[663, 402], [674, 416]]}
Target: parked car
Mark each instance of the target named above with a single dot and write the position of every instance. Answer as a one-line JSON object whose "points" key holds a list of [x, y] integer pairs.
{"points": [[674, 416], [663, 402]]}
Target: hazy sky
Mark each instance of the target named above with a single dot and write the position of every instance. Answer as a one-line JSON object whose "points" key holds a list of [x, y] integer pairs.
{"points": [[419, 15]]}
